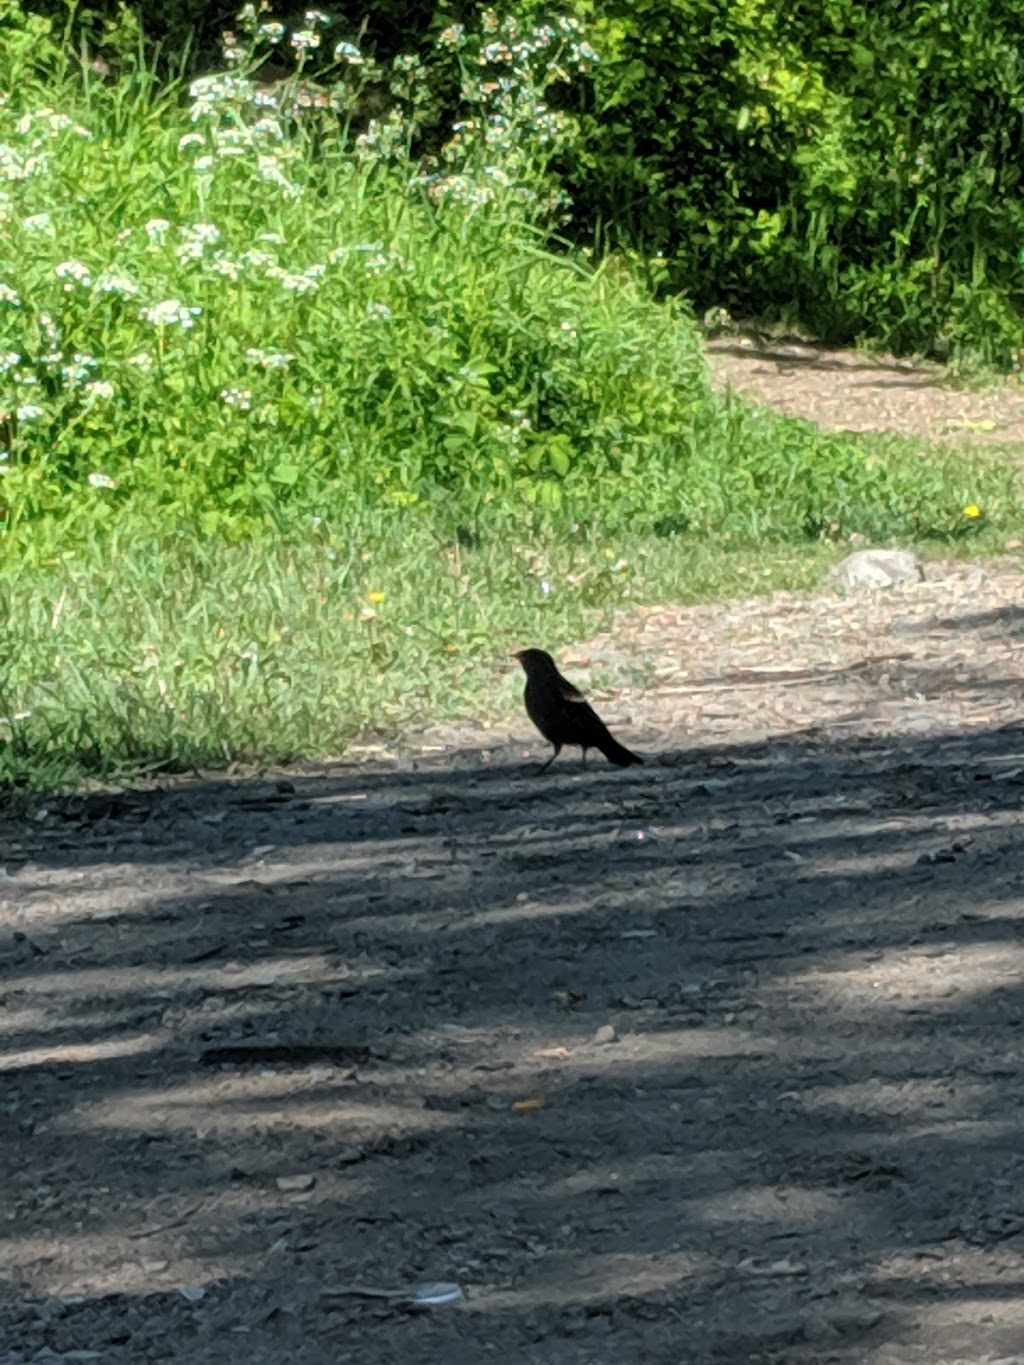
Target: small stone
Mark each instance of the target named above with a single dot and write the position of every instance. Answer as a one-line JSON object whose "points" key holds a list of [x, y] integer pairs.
{"points": [[295, 1184], [870, 570], [606, 1034]]}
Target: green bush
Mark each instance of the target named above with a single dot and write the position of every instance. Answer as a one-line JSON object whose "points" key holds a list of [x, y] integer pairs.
{"points": [[236, 311], [851, 163]]}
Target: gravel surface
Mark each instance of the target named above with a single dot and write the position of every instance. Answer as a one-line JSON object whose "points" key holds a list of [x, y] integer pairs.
{"points": [[718, 1059]]}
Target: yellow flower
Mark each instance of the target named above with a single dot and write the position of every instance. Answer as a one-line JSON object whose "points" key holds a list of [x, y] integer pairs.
{"points": [[375, 597], [972, 511]]}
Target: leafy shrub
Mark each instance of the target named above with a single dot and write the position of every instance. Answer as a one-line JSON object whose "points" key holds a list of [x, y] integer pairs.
{"points": [[852, 162], [242, 310], [252, 310]]}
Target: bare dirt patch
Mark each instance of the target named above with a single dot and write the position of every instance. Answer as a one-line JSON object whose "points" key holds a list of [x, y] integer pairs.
{"points": [[852, 391], [714, 1060]]}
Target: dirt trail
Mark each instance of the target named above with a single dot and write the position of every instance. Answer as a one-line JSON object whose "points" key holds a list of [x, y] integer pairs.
{"points": [[714, 1060], [853, 391]]}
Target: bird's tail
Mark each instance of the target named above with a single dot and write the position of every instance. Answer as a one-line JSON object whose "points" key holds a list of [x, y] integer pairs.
{"points": [[617, 753]]}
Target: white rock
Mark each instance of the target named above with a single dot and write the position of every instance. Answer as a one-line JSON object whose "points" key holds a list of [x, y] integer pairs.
{"points": [[870, 570]]}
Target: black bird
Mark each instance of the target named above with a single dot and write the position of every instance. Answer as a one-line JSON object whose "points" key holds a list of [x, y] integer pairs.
{"points": [[562, 714]]}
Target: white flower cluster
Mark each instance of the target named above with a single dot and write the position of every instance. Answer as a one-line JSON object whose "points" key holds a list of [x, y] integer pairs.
{"points": [[170, 313]]}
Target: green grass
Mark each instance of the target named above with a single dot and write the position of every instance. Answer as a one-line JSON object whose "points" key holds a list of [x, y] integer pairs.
{"points": [[194, 654], [133, 655], [293, 434]]}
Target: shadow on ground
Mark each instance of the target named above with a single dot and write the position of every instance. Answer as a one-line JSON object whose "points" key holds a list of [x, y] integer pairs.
{"points": [[714, 1060]]}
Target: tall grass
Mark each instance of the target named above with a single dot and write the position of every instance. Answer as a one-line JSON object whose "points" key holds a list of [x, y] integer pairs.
{"points": [[200, 654]]}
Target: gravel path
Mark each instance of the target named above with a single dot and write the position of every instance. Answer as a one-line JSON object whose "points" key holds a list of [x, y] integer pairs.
{"points": [[853, 391], [714, 1060]]}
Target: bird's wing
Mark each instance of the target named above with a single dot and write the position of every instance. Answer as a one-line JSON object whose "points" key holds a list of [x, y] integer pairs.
{"points": [[570, 693]]}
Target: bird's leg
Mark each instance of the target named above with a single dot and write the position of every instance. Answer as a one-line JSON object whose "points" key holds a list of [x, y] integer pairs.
{"points": [[543, 769]]}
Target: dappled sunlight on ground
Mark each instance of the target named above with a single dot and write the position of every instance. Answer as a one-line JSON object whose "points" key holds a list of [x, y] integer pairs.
{"points": [[724, 1051]]}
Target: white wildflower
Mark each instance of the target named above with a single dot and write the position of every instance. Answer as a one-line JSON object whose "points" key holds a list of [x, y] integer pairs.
{"points": [[268, 127], [305, 39], [141, 359], [348, 52], [171, 312], [379, 312], [98, 480], [210, 93], [232, 49], [202, 163], [71, 271], [108, 283], [60, 123], [274, 238], [37, 222], [298, 282], [191, 140], [316, 18], [237, 398], [269, 360], [18, 165], [272, 30], [224, 265], [270, 170], [8, 360], [157, 229], [51, 123], [99, 388], [28, 412], [9, 295], [232, 137], [78, 368], [495, 52], [195, 239]]}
